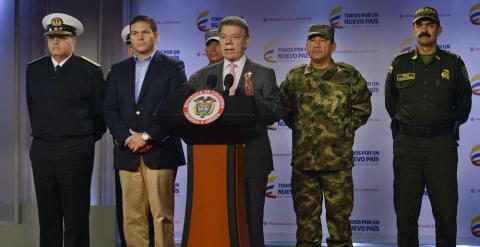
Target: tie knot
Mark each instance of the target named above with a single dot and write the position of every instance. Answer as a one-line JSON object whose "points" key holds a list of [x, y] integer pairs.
{"points": [[57, 68]]}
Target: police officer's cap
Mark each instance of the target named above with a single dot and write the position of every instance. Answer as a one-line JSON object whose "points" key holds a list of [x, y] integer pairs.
{"points": [[126, 35], [426, 13], [212, 35], [325, 31], [62, 24]]}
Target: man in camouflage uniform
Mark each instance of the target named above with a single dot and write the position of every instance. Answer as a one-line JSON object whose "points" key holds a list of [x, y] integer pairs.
{"points": [[324, 103], [428, 96]]}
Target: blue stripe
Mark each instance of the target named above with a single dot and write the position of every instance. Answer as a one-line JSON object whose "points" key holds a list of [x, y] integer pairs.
{"points": [[202, 21], [335, 18], [477, 155], [476, 84], [269, 52], [475, 15]]}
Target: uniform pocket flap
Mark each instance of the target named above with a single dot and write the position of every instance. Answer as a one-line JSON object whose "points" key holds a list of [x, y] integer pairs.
{"points": [[341, 88], [405, 84]]}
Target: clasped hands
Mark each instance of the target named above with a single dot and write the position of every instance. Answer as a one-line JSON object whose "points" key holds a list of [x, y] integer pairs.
{"points": [[136, 143]]}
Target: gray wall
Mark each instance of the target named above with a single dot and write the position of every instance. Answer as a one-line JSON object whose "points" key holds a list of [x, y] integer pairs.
{"points": [[8, 110]]}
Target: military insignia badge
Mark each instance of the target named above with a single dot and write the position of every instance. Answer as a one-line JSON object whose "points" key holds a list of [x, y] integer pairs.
{"points": [[57, 22], [445, 74], [390, 69], [203, 107]]}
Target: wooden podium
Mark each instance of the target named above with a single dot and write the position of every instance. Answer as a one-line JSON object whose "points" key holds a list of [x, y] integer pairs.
{"points": [[215, 213]]}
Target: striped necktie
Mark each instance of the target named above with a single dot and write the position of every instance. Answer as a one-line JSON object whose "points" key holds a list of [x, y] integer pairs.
{"points": [[232, 90]]}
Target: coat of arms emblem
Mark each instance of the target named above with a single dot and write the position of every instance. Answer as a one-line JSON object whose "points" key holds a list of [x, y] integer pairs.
{"points": [[203, 107]]}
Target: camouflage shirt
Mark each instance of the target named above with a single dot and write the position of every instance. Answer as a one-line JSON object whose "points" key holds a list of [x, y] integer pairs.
{"points": [[324, 108]]}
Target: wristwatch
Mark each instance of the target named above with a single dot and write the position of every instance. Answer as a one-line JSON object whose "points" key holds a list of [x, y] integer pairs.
{"points": [[145, 136]]}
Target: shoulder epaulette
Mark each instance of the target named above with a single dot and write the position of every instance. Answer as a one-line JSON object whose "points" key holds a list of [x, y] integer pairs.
{"points": [[90, 61], [451, 54], [346, 65], [298, 67], [38, 59], [403, 53]]}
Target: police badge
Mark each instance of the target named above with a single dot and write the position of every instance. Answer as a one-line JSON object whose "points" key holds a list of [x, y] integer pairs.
{"points": [[446, 74]]}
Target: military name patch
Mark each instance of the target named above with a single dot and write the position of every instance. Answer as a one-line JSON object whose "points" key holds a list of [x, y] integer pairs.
{"points": [[445, 74], [405, 76], [203, 107]]}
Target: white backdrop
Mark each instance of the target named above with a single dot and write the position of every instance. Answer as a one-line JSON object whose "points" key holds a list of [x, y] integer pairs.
{"points": [[369, 33]]}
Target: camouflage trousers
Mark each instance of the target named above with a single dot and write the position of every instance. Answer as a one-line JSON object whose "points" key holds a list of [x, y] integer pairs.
{"points": [[308, 190]]}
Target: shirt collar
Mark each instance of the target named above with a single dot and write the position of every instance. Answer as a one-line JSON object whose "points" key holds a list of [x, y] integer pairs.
{"points": [[331, 67], [135, 56], [416, 54], [61, 63], [239, 63]]}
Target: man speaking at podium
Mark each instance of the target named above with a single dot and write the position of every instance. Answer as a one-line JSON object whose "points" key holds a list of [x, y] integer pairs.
{"points": [[251, 79]]}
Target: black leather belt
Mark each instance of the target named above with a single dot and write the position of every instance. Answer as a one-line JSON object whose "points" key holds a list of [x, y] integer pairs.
{"points": [[422, 131]]}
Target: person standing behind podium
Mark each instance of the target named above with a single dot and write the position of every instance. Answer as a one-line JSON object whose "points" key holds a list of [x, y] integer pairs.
{"points": [[254, 80], [64, 99], [146, 154], [118, 188], [212, 46], [126, 39]]}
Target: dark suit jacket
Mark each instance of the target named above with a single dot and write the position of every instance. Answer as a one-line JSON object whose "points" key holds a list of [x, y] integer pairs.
{"points": [[165, 77], [258, 158], [65, 107]]}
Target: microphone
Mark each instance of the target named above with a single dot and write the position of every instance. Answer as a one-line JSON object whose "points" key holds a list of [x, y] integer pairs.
{"points": [[211, 81], [228, 83]]}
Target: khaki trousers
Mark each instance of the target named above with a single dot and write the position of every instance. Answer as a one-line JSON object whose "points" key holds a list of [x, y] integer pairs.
{"points": [[143, 189]]}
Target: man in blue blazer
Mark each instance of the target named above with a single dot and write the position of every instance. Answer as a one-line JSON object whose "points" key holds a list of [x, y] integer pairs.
{"points": [[146, 154]]}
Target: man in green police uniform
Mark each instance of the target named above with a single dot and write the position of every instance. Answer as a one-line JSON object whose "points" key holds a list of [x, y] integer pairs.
{"points": [[324, 103], [428, 96]]}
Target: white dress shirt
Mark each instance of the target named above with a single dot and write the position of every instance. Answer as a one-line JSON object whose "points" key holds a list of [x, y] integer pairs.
{"points": [[240, 63]]}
